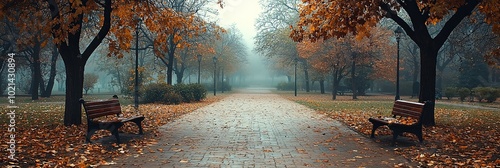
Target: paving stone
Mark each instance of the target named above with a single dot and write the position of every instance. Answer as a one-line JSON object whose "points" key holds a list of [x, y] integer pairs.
{"points": [[261, 130]]}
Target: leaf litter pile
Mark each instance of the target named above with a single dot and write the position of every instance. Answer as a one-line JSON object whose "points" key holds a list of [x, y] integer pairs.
{"points": [[42, 140], [462, 137]]}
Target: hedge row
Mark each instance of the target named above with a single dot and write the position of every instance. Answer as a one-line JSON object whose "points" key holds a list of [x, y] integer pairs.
{"points": [[287, 86], [489, 94], [168, 94]]}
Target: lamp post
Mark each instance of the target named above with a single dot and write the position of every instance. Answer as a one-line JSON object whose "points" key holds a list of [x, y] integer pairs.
{"points": [[295, 83], [398, 32], [199, 67], [136, 84], [215, 75]]}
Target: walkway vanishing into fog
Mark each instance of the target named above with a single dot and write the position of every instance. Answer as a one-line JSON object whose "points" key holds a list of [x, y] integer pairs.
{"points": [[255, 128]]}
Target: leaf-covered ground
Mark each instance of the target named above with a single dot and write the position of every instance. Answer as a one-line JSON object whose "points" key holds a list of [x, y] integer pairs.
{"points": [[462, 137], [43, 141]]}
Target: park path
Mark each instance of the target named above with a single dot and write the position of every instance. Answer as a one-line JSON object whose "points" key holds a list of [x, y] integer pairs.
{"points": [[255, 128]]}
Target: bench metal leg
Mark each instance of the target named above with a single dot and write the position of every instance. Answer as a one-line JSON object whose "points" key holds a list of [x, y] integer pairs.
{"points": [[138, 123], [375, 126], [89, 135], [115, 133], [395, 135], [419, 135], [91, 129]]}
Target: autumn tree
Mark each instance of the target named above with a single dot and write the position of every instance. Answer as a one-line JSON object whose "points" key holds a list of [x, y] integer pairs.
{"points": [[183, 22], [89, 81], [230, 51], [355, 62], [196, 42], [320, 19], [32, 42], [66, 20], [273, 27], [7, 45]]}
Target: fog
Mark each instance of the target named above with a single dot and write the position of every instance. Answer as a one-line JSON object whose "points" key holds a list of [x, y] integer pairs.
{"points": [[243, 15]]}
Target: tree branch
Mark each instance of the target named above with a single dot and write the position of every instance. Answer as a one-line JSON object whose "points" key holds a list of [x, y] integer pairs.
{"points": [[459, 15], [102, 33], [394, 16]]}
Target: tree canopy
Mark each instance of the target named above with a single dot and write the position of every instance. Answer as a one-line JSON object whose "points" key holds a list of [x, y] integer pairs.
{"points": [[78, 27], [321, 19]]}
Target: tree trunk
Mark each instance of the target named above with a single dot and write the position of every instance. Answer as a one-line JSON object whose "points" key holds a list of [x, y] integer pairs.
{"points": [[53, 72], [74, 88], [353, 78], [37, 71], [179, 75], [179, 72], [335, 84], [171, 52], [306, 76], [322, 86], [428, 82], [41, 85]]}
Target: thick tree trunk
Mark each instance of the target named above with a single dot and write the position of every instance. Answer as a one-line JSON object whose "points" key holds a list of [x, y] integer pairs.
{"points": [[74, 88], [428, 82]]}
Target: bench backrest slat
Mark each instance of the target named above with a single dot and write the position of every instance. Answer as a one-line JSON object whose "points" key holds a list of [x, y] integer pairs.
{"points": [[408, 109], [102, 108]]}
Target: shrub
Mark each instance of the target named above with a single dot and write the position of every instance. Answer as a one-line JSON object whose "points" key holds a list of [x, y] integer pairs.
{"points": [[286, 86], [155, 93], [185, 92], [171, 97], [167, 94], [463, 93], [199, 91], [450, 92], [487, 93]]}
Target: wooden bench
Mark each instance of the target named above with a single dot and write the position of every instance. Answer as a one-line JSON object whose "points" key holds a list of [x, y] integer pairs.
{"points": [[96, 110], [406, 117]]}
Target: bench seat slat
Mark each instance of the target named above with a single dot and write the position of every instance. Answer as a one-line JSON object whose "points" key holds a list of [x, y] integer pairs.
{"points": [[406, 113], [93, 113]]}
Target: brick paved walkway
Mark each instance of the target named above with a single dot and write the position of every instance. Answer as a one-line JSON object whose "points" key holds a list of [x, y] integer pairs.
{"points": [[259, 129]]}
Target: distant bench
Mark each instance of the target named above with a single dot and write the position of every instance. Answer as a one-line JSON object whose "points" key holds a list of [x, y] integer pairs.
{"points": [[100, 109], [406, 117]]}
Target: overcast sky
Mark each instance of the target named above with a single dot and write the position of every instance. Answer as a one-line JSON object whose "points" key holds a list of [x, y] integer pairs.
{"points": [[243, 14]]}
